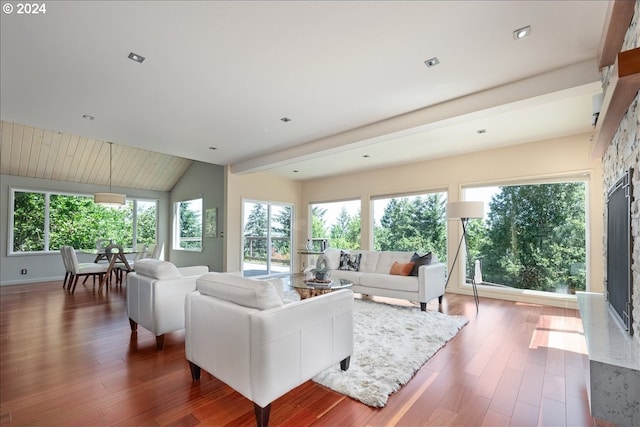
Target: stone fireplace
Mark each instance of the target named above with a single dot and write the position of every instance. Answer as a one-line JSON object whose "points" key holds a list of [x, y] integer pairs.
{"points": [[614, 355]]}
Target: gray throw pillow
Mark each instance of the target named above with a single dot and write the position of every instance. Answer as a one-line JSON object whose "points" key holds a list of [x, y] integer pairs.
{"points": [[419, 260]]}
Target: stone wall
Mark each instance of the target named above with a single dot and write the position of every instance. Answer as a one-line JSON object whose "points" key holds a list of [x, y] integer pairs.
{"points": [[623, 153]]}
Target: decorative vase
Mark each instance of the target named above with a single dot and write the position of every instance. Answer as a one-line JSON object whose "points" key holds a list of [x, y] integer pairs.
{"points": [[322, 276]]}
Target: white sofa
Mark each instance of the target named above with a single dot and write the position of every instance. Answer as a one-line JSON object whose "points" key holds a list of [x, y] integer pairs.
{"points": [[242, 332], [373, 276], [155, 295]]}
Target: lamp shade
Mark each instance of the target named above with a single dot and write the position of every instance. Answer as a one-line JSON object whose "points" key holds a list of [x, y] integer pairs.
{"points": [[457, 210], [109, 199]]}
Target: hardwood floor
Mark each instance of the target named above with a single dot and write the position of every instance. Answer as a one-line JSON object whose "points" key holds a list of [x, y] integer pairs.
{"points": [[72, 360]]}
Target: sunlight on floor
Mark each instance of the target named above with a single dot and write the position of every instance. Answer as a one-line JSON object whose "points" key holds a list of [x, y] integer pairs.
{"points": [[559, 332]]}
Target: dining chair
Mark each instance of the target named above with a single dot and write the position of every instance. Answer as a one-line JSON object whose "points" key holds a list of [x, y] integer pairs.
{"points": [[85, 269], [68, 275], [157, 251], [142, 253]]}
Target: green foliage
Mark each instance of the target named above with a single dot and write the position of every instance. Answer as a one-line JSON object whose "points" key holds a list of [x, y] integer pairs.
{"points": [[28, 220], [319, 223], [413, 224], [190, 217], [255, 232], [281, 232], [535, 238], [76, 221], [345, 233]]}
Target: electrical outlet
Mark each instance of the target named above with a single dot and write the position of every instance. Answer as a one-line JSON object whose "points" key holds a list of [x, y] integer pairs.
{"points": [[23, 271]]}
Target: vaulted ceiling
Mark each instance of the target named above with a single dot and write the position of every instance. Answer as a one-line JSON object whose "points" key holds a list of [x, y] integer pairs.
{"points": [[220, 77]]}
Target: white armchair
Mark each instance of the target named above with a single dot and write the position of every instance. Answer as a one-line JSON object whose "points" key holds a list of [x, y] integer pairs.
{"points": [[156, 293], [240, 331]]}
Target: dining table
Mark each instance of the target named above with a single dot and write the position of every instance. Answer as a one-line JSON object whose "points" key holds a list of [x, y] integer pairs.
{"points": [[113, 258]]}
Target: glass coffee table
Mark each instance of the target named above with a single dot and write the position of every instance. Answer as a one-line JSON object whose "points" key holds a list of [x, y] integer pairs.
{"points": [[309, 288]]}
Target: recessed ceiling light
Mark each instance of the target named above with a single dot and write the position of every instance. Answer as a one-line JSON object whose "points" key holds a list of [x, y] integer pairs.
{"points": [[481, 131], [522, 33], [285, 119], [432, 62], [296, 171], [136, 57], [87, 117], [366, 156]]}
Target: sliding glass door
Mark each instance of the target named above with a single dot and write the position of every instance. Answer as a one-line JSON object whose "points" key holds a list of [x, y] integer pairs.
{"points": [[267, 238]]}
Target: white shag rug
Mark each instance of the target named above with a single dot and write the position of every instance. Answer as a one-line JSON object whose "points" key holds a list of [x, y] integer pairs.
{"points": [[390, 344]]}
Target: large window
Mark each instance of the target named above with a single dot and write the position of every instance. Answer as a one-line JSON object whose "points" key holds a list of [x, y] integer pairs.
{"points": [[267, 238], [411, 223], [338, 222], [43, 221], [532, 237], [188, 225]]}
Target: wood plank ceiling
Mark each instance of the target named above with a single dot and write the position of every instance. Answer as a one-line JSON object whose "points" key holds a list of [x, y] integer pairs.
{"points": [[46, 154]]}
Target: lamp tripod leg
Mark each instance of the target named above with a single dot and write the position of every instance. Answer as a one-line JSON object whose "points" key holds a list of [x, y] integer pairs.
{"points": [[475, 294]]}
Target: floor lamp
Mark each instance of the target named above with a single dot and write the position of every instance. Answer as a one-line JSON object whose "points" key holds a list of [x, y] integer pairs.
{"points": [[464, 211]]}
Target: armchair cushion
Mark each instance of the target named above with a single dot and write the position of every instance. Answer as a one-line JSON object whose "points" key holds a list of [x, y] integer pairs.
{"points": [[157, 269], [259, 294]]}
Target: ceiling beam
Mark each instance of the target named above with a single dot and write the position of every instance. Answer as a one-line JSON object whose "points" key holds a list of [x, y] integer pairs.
{"points": [[624, 84], [619, 16], [568, 77]]}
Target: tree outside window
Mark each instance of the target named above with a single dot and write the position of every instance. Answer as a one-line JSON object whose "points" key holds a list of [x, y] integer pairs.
{"points": [[411, 223], [189, 225], [45, 221], [338, 222], [533, 237]]}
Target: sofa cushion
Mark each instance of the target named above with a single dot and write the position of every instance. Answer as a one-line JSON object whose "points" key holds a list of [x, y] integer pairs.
{"points": [[349, 262], [401, 269], [387, 281], [368, 261], [420, 260], [157, 269], [387, 258], [253, 293], [354, 276], [333, 256]]}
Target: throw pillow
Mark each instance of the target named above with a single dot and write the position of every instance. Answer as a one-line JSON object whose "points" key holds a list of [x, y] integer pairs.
{"points": [[402, 269], [349, 262], [420, 260]]}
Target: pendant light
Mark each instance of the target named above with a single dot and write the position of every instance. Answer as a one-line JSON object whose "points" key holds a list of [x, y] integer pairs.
{"points": [[110, 199]]}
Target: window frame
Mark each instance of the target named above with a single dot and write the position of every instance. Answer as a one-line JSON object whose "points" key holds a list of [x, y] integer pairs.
{"points": [[422, 193], [176, 224], [47, 223], [519, 294], [316, 240]]}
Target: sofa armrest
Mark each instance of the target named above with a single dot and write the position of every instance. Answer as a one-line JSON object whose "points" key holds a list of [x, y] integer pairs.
{"points": [[196, 270], [293, 343], [431, 281], [158, 305]]}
